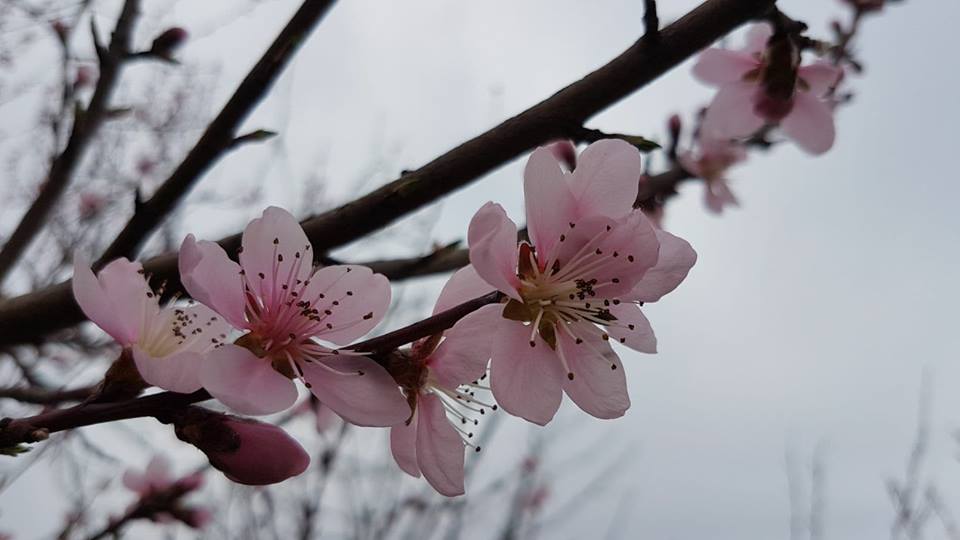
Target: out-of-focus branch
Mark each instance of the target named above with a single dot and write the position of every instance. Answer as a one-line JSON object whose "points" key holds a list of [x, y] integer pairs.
{"points": [[28, 318], [221, 135], [46, 396], [85, 127], [39, 427]]}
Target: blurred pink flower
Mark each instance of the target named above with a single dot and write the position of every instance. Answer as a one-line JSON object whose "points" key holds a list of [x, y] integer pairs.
{"points": [[745, 101], [442, 379], [167, 343], [284, 304], [90, 204], [591, 261], [159, 492], [709, 161]]}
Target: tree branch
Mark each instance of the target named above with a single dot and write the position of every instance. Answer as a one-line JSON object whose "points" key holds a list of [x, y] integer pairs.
{"points": [[85, 127], [28, 318], [221, 135]]}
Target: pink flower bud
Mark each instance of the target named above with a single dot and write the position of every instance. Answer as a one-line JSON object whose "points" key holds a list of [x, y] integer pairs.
{"points": [[565, 152], [198, 518], [246, 451], [674, 124], [168, 42], [192, 482]]}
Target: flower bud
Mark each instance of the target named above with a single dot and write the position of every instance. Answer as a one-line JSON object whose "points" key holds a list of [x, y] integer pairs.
{"points": [[168, 42], [565, 152], [246, 451], [674, 125]]}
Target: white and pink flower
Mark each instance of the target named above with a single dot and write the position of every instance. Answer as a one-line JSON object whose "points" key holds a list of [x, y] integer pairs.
{"points": [[576, 286], [167, 343], [757, 89], [285, 306], [710, 161], [440, 382]]}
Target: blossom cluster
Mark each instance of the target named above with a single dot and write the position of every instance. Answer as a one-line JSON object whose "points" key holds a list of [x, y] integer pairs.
{"points": [[258, 324]]}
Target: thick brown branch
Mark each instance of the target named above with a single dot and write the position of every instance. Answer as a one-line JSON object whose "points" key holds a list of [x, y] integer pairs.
{"points": [[85, 127], [221, 135], [28, 318]]}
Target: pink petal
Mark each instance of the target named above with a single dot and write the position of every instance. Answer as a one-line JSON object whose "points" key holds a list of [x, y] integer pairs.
{"points": [[246, 383], [439, 448], [632, 328], [462, 356], [526, 381], [721, 66], [351, 300], [675, 260], [606, 180], [821, 77], [757, 37], [212, 279], [158, 472], [372, 399], [810, 124], [598, 386], [731, 114], [548, 200], [178, 372], [275, 247], [403, 446], [465, 284], [717, 195], [493, 248], [136, 482], [117, 300]]}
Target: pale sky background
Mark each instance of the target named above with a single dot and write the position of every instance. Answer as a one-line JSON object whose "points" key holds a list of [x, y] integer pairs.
{"points": [[813, 309]]}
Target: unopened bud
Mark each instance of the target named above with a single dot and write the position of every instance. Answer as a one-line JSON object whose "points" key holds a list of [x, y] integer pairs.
{"points": [[246, 451], [565, 152], [168, 42], [674, 125], [84, 77]]}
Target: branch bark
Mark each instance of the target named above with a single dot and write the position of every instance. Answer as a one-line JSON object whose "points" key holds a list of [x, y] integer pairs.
{"points": [[30, 317], [85, 127]]}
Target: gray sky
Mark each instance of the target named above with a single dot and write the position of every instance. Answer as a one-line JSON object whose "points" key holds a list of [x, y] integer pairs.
{"points": [[813, 309]]}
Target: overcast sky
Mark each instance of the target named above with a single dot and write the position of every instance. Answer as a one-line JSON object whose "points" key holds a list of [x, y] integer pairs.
{"points": [[813, 309]]}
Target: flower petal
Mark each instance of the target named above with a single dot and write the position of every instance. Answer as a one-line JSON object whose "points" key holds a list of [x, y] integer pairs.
{"points": [[245, 383], [526, 381], [117, 300], [820, 76], [757, 37], [403, 446], [675, 260], [372, 399], [717, 195], [598, 385], [178, 372], [606, 180], [810, 124], [548, 201], [212, 279], [135, 481], [731, 113], [462, 356], [632, 328], [465, 284], [157, 473], [439, 448], [350, 301], [275, 252], [721, 66], [493, 248]]}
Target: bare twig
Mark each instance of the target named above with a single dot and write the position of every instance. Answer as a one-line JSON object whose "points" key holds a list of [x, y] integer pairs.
{"points": [[85, 127], [30, 317], [651, 22], [46, 396]]}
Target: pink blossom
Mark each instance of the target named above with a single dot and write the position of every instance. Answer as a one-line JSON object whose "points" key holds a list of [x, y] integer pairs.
{"points": [[710, 161], [591, 261], [167, 343], [763, 84], [156, 477], [159, 493], [443, 375], [285, 305]]}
